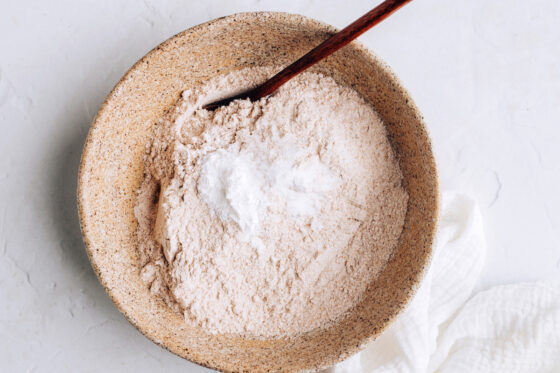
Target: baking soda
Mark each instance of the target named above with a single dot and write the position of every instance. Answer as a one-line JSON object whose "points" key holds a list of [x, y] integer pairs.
{"points": [[240, 184]]}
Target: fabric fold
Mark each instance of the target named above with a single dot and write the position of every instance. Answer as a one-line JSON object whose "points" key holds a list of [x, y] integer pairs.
{"points": [[514, 328]]}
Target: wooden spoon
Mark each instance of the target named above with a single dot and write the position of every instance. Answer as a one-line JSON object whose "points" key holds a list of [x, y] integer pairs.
{"points": [[326, 48]]}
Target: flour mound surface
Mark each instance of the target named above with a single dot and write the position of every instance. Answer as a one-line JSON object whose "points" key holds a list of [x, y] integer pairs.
{"points": [[268, 218]]}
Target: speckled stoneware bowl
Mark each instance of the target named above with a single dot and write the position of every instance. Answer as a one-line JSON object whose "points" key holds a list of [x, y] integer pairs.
{"points": [[111, 172]]}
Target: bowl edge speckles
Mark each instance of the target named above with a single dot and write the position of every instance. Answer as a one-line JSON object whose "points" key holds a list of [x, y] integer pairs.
{"points": [[111, 171]]}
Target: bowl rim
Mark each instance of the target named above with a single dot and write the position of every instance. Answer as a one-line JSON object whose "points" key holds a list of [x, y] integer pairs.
{"points": [[82, 181]]}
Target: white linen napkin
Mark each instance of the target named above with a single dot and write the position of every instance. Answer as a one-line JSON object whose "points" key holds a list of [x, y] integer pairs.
{"points": [[513, 328]]}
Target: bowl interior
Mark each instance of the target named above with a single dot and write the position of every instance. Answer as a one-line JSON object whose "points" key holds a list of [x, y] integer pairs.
{"points": [[111, 172]]}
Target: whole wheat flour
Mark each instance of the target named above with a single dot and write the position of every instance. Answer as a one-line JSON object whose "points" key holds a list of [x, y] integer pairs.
{"points": [[268, 218]]}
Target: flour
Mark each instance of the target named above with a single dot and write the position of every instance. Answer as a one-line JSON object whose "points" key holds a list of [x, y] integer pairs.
{"points": [[268, 218]]}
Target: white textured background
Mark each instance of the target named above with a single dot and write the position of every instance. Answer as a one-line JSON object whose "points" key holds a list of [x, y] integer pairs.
{"points": [[486, 74]]}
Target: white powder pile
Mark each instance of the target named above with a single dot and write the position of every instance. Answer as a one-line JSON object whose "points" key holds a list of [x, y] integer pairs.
{"points": [[240, 184], [268, 218]]}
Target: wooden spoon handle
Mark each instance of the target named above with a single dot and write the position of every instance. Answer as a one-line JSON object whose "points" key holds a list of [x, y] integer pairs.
{"points": [[326, 48], [329, 46]]}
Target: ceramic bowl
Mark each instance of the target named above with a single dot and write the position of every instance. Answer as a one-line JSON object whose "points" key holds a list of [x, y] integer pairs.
{"points": [[111, 172]]}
